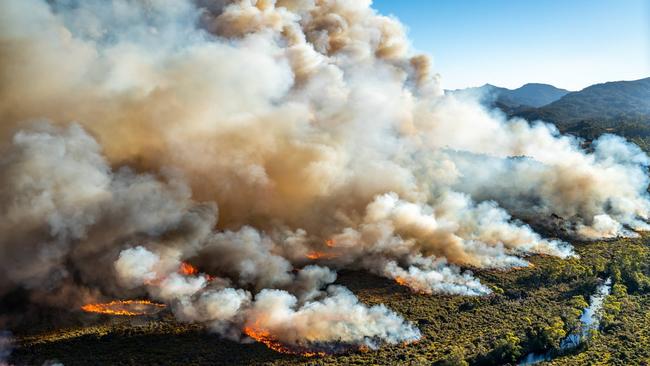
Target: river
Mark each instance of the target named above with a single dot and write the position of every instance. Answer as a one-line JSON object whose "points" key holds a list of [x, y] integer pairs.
{"points": [[590, 319]]}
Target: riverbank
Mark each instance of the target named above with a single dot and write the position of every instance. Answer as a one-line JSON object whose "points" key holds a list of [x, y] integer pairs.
{"points": [[589, 324]]}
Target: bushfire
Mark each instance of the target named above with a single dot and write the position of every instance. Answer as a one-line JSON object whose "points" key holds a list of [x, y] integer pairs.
{"points": [[320, 255], [414, 286], [401, 281], [139, 307], [187, 269], [124, 307], [264, 336]]}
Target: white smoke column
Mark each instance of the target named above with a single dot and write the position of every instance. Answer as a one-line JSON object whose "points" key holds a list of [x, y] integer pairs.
{"points": [[428, 275], [338, 317], [326, 318], [61, 202], [221, 309], [288, 144], [136, 266], [534, 172], [482, 235]]}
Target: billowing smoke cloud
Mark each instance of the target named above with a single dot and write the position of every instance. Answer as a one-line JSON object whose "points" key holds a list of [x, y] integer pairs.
{"points": [[269, 143], [274, 315]]}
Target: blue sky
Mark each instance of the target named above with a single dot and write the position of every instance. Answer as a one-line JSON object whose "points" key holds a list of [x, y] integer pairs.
{"points": [[567, 43]]}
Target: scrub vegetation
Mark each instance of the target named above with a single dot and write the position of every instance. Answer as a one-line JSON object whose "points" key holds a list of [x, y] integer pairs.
{"points": [[530, 310]]}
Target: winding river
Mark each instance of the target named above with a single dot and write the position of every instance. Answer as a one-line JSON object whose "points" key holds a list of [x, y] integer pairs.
{"points": [[590, 321]]}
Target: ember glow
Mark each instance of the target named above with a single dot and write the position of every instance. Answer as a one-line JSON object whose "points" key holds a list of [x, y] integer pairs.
{"points": [[124, 307], [320, 255], [187, 269], [401, 281], [265, 337], [413, 286]]}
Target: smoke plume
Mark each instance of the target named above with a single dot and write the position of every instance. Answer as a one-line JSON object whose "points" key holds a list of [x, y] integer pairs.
{"points": [[270, 143]]}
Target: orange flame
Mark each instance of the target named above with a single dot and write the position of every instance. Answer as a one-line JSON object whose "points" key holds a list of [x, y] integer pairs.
{"points": [[401, 281], [412, 285], [187, 269], [124, 307], [320, 255], [330, 243], [264, 336], [315, 255]]}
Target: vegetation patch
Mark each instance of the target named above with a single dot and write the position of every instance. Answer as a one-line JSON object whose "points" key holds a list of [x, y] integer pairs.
{"points": [[531, 310]]}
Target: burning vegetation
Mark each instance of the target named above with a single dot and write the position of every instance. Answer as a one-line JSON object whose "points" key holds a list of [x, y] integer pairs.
{"points": [[315, 255], [265, 337], [187, 269], [401, 281], [413, 285], [125, 307]]}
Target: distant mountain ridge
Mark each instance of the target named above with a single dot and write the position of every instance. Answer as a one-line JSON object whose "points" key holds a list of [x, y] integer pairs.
{"points": [[619, 107], [617, 100], [529, 95]]}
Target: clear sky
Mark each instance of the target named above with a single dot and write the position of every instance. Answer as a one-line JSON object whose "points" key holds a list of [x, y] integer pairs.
{"points": [[568, 43]]}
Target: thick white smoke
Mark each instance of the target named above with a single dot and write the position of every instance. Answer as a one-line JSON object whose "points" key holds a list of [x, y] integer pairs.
{"points": [[334, 316], [269, 143]]}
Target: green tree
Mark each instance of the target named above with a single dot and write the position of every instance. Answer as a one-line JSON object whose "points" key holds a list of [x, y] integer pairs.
{"points": [[456, 357], [554, 333], [508, 348]]}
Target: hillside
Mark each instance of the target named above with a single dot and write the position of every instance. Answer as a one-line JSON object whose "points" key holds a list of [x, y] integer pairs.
{"points": [[621, 107], [619, 100], [529, 95], [534, 95]]}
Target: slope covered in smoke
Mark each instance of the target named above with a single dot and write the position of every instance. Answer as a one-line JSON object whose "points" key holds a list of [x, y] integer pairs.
{"points": [[619, 107], [270, 143], [527, 96]]}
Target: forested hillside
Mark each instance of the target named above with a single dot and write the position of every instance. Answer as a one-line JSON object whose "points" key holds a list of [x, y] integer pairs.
{"points": [[613, 101], [529, 95], [621, 107]]}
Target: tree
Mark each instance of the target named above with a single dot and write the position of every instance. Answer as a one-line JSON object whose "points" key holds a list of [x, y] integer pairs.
{"points": [[554, 333], [456, 357], [508, 348]]}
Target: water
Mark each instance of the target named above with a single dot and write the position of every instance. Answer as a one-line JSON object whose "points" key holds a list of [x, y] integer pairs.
{"points": [[590, 321]]}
